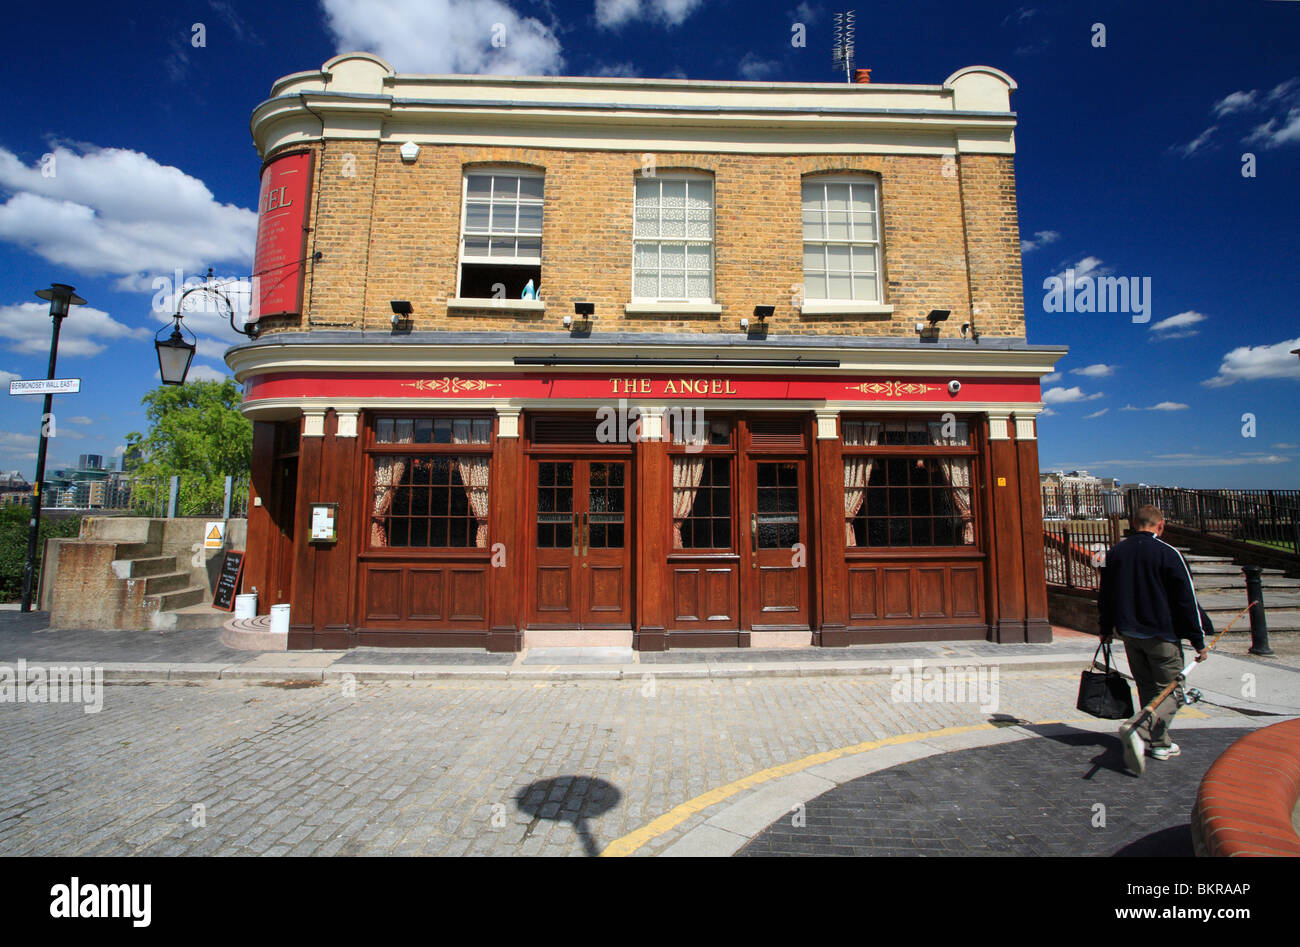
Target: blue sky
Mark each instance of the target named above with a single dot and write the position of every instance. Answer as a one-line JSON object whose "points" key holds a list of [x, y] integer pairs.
{"points": [[1129, 164]]}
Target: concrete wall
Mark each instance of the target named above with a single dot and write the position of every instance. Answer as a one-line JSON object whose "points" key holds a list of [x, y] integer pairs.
{"points": [[80, 589]]}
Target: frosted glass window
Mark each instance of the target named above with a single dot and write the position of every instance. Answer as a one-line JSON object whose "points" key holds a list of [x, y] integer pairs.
{"points": [[672, 253]]}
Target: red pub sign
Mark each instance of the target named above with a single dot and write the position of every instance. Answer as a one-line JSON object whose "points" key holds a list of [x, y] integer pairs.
{"points": [[281, 236], [608, 385]]}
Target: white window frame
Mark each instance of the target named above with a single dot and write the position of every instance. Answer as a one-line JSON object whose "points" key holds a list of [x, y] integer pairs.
{"points": [[474, 259], [827, 302], [683, 302]]}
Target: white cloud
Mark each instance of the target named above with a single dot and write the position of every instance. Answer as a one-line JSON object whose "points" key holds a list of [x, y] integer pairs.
{"points": [[1168, 406], [79, 419], [622, 69], [1021, 15], [1049, 379], [1041, 239], [26, 328], [446, 36], [1281, 129], [110, 210], [1095, 414], [612, 14], [200, 372], [210, 348], [756, 68], [805, 13], [1046, 412], [1180, 321], [1067, 395], [1094, 371], [7, 377], [1235, 102], [1086, 268], [1197, 143], [1253, 362], [1286, 446]]}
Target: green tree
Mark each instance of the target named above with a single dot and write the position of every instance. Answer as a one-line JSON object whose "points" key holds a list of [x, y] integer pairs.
{"points": [[197, 433], [14, 528]]}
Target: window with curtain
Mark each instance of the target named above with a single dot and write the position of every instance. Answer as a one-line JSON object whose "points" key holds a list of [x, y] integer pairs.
{"points": [[841, 239], [702, 497], [907, 483], [672, 234], [430, 482]]}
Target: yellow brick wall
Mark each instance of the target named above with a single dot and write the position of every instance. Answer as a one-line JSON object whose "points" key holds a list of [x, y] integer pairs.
{"points": [[389, 230]]}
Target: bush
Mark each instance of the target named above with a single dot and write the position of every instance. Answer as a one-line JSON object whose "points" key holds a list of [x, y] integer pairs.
{"points": [[13, 547]]}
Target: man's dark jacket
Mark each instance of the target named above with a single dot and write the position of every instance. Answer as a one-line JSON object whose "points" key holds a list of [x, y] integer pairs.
{"points": [[1147, 592]]}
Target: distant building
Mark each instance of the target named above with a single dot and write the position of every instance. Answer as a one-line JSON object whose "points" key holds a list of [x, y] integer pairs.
{"points": [[14, 488], [1079, 495]]}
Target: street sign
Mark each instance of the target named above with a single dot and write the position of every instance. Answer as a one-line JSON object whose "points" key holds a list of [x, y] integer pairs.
{"points": [[45, 386], [214, 535]]}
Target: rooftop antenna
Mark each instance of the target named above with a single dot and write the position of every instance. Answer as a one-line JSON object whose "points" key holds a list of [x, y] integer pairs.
{"points": [[842, 51]]}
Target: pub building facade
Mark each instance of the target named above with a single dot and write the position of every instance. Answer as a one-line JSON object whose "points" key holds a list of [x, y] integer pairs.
{"points": [[660, 363]]}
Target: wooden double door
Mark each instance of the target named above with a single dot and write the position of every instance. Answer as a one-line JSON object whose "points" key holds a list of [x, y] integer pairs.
{"points": [[581, 542]]}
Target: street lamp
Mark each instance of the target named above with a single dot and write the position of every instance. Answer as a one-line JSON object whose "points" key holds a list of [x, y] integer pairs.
{"points": [[61, 297], [174, 354]]}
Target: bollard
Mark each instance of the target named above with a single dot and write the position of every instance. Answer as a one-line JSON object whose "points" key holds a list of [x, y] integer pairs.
{"points": [[1258, 624]]}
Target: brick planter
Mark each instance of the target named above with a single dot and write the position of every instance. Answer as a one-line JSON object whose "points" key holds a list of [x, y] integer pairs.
{"points": [[1246, 801]]}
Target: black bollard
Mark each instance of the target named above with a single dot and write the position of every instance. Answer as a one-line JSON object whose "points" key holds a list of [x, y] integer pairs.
{"points": [[1258, 625]]}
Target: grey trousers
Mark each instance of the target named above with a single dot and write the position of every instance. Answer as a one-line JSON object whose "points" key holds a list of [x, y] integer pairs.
{"points": [[1155, 663]]}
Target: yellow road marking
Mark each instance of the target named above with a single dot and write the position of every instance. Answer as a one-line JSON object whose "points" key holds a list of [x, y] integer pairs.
{"points": [[676, 816]]}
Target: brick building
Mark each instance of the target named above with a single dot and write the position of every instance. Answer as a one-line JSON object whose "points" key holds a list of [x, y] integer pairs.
{"points": [[641, 361]]}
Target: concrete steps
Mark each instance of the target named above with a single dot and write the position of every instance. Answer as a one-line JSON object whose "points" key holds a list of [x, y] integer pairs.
{"points": [[1221, 590], [190, 617]]}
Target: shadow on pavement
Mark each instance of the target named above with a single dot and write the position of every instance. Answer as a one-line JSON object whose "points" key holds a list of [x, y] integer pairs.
{"points": [[1173, 842], [568, 799]]}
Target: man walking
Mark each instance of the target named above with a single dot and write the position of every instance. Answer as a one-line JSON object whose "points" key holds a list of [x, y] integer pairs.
{"points": [[1148, 599]]}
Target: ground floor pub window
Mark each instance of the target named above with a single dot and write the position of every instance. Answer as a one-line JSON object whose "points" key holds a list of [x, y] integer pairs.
{"points": [[702, 503], [907, 483], [432, 493]]}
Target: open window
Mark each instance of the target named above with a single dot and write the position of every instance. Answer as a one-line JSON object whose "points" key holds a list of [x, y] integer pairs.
{"points": [[501, 234]]}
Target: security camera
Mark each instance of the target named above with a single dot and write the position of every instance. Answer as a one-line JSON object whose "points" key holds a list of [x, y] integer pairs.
{"points": [[954, 386]]}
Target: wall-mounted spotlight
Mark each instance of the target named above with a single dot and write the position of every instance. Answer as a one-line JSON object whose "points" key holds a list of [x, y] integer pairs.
{"points": [[762, 312], [586, 310], [930, 328], [402, 310]]}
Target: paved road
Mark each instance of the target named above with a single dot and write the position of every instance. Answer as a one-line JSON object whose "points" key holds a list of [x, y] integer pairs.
{"points": [[439, 767], [1058, 795]]}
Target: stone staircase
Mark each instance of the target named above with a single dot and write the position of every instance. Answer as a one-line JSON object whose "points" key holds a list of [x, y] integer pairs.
{"points": [[1221, 590], [119, 575]]}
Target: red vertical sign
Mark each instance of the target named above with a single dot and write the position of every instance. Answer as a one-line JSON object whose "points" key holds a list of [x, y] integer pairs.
{"points": [[281, 236]]}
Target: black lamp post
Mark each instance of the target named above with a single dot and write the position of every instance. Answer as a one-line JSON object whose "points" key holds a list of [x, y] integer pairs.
{"points": [[61, 297]]}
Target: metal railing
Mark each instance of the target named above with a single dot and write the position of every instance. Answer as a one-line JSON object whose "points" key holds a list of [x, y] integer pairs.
{"points": [[1078, 502], [1074, 552], [1267, 518], [167, 498]]}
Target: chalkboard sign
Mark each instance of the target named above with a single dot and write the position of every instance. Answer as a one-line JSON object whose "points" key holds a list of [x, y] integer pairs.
{"points": [[232, 567]]}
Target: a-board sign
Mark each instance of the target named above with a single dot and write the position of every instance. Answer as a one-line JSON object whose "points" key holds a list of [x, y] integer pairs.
{"points": [[232, 567]]}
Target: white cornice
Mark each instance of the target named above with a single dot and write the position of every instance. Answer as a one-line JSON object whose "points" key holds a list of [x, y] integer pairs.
{"points": [[407, 356]]}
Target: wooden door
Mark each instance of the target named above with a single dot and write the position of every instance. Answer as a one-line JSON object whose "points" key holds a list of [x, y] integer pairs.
{"points": [[581, 544], [776, 525], [283, 509]]}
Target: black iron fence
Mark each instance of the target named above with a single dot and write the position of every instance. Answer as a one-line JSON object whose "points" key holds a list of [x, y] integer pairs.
{"points": [[172, 496], [1267, 518], [1075, 551], [1080, 502]]}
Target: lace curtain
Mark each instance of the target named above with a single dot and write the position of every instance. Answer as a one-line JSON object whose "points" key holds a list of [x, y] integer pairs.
{"points": [[473, 470], [857, 472], [389, 471], [957, 472], [687, 474]]}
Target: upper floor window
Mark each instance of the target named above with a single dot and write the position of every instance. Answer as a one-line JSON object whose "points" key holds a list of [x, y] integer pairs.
{"points": [[672, 237], [501, 233], [841, 239]]}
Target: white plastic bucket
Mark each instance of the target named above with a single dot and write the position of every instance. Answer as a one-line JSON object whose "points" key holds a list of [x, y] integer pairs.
{"points": [[279, 619], [246, 605]]}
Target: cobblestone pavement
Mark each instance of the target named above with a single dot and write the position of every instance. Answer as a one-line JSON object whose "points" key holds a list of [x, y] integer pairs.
{"points": [[1060, 795], [448, 768]]}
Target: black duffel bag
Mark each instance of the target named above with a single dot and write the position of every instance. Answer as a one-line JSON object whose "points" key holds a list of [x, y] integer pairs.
{"points": [[1104, 693]]}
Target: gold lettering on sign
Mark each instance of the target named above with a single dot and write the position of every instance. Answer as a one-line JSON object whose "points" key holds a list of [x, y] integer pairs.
{"points": [[677, 386], [669, 387], [893, 389]]}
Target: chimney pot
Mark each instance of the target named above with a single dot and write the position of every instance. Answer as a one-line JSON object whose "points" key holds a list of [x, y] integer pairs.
{"points": [[862, 75]]}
